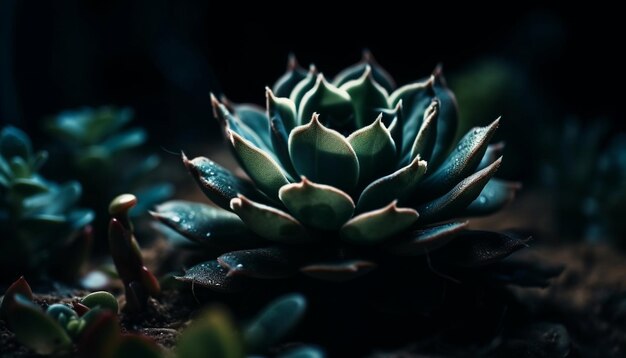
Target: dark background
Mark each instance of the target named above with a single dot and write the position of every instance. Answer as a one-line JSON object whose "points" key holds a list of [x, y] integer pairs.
{"points": [[164, 57]]}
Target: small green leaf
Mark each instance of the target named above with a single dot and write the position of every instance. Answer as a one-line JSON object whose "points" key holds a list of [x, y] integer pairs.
{"points": [[355, 71], [368, 97], [429, 239], [457, 199], [317, 205], [268, 222], [212, 275], [333, 104], [125, 140], [101, 299], [203, 223], [395, 186], [339, 271], [323, 155], [213, 334], [304, 86], [134, 346], [374, 149], [288, 81], [265, 263], [460, 163], [217, 182], [379, 225], [61, 313], [35, 329], [496, 195], [281, 108], [274, 322], [266, 173], [426, 137]]}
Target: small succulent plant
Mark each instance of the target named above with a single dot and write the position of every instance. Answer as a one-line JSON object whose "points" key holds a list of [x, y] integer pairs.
{"points": [[98, 146], [40, 225], [92, 326], [343, 175], [587, 178]]}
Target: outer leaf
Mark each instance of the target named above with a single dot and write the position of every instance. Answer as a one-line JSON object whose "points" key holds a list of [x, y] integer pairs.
{"points": [[266, 263], [217, 182], [303, 87], [374, 149], [332, 103], [35, 329], [368, 97], [395, 186], [232, 123], [320, 206], [379, 225], [263, 170], [429, 239], [493, 152], [355, 71], [496, 195], [268, 222], [212, 275], [213, 334], [288, 81], [256, 119], [274, 322], [457, 199], [461, 162], [202, 223], [339, 271], [323, 155]]}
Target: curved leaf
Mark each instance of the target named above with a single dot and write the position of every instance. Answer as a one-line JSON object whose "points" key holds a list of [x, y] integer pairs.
{"points": [[281, 108], [266, 263], [479, 248], [320, 206], [332, 103], [339, 271], [355, 71], [288, 81], [368, 97], [303, 87], [268, 222], [15, 143], [379, 225], [256, 119], [429, 239], [496, 195], [395, 186], [211, 274], [231, 123], [374, 149], [447, 120], [493, 152], [396, 126], [427, 136], [323, 155]]}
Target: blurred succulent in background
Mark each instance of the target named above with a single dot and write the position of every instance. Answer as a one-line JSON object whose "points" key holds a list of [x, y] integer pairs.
{"points": [[40, 226], [99, 146], [584, 169], [91, 324], [339, 181]]}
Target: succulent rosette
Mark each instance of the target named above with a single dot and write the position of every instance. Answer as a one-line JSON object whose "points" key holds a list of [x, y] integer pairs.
{"points": [[342, 174]]}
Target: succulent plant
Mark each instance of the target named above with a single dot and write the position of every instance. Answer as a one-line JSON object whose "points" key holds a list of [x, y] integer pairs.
{"points": [[344, 175], [40, 225], [98, 146], [586, 177], [92, 326]]}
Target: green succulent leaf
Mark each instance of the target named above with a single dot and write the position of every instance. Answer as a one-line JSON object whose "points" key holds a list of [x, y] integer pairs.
{"points": [[339, 271], [29, 186], [266, 263], [368, 97], [101, 299], [460, 163], [262, 168], [203, 224], [133, 346], [288, 81], [217, 182], [303, 87], [480, 248], [19, 287], [395, 186], [426, 137], [457, 199], [124, 141], [396, 126], [332, 103], [269, 222], [231, 123], [212, 275], [323, 155], [15, 143], [213, 334], [317, 205], [281, 108], [61, 313], [35, 329], [280, 144], [448, 118], [429, 239], [496, 195], [274, 322], [374, 149], [493, 152], [255, 118], [379, 225], [355, 71]]}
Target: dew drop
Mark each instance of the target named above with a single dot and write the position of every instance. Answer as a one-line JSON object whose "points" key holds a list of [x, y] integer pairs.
{"points": [[176, 219], [482, 199]]}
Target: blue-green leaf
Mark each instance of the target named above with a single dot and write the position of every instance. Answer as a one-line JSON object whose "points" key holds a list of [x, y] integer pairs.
{"points": [[15, 143], [212, 275], [496, 195], [281, 108], [379, 225], [288, 81], [427, 240], [303, 87], [447, 120], [427, 135], [355, 71], [333, 104], [266, 263], [374, 149], [368, 97]]}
